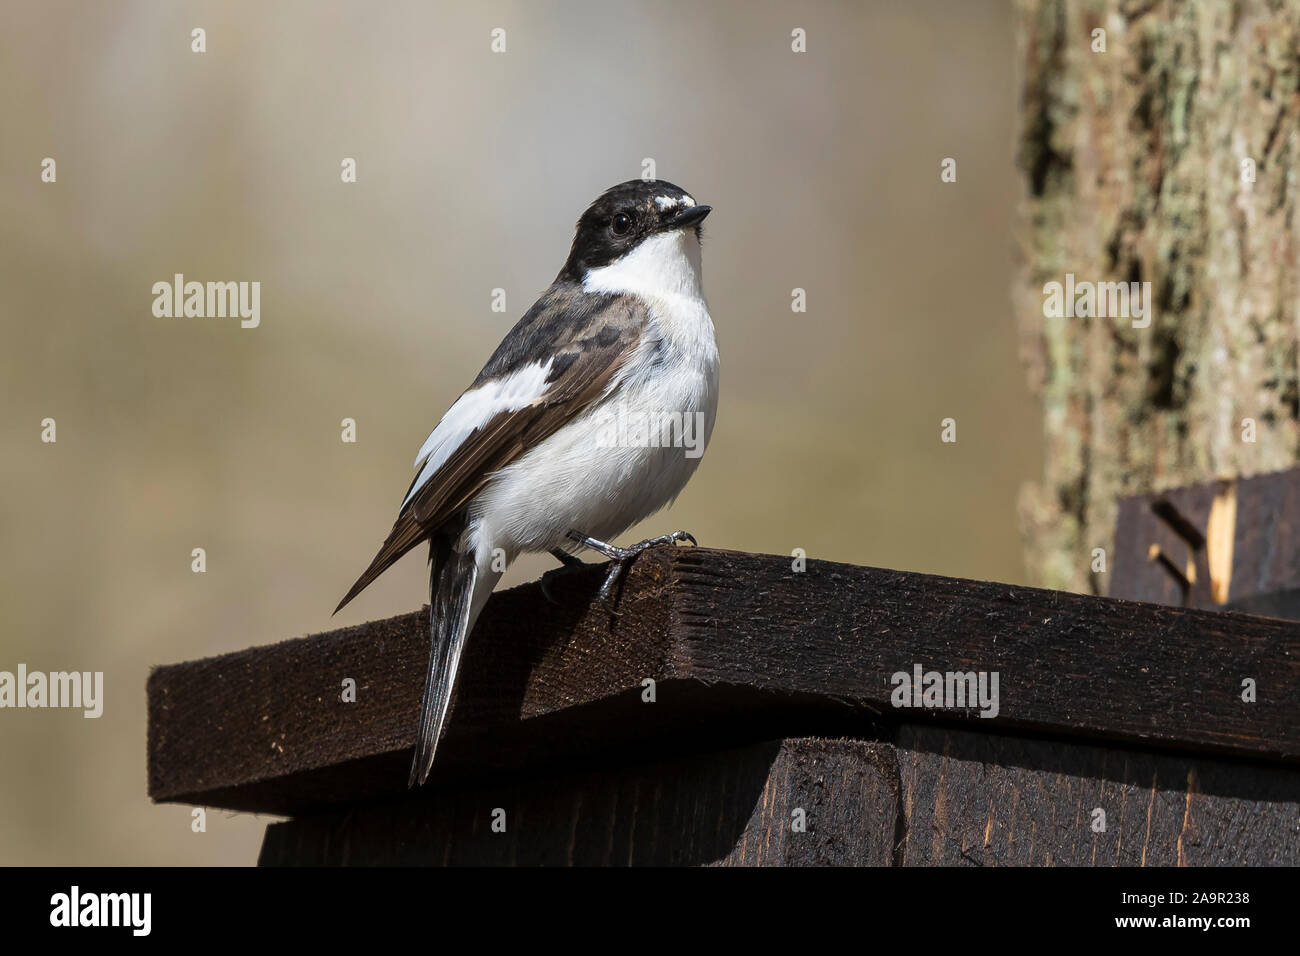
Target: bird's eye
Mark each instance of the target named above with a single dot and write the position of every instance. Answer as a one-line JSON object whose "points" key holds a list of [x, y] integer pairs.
{"points": [[621, 223]]}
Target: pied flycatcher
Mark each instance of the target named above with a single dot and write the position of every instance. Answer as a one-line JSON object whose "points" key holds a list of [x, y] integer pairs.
{"points": [[518, 464]]}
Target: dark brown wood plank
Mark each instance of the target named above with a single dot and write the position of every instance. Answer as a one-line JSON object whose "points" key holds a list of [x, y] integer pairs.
{"points": [[1267, 541], [1265, 538], [740, 646], [1068, 663], [936, 796], [732, 808], [994, 800]]}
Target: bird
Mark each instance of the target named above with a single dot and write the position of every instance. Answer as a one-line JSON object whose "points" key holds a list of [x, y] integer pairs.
{"points": [[526, 460]]}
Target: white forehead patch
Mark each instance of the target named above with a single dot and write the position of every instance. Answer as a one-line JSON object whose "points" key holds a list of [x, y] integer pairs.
{"points": [[671, 202]]}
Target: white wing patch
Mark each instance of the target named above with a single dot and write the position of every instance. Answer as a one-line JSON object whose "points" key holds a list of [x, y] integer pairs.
{"points": [[473, 410]]}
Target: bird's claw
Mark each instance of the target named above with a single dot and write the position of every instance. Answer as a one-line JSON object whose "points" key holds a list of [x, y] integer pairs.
{"points": [[616, 568], [620, 558], [672, 537]]}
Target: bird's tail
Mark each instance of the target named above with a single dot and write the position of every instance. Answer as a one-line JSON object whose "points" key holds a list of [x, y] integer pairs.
{"points": [[458, 589]]}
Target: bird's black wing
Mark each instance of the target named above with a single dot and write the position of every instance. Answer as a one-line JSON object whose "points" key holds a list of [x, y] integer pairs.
{"points": [[586, 337]]}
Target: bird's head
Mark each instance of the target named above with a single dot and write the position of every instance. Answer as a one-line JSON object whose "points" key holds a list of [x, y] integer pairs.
{"points": [[627, 217]]}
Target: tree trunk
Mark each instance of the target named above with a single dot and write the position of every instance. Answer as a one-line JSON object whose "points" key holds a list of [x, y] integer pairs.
{"points": [[1136, 164]]}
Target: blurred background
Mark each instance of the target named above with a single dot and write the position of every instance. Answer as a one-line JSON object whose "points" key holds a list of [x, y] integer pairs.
{"points": [[174, 434]]}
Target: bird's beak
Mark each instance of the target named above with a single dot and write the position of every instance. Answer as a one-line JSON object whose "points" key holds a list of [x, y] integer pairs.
{"points": [[689, 216]]}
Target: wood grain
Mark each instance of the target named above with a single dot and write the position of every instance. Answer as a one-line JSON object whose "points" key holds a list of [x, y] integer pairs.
{"points": [[932, 796], [996, 800], [1265, 542], [741, 648], [732, 808]]}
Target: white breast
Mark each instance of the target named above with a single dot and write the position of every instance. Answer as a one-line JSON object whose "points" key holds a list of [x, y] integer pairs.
{"points": [[577, 478]]}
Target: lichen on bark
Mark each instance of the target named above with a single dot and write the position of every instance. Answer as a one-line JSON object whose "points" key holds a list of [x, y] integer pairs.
{"points": [[1134, 164]]}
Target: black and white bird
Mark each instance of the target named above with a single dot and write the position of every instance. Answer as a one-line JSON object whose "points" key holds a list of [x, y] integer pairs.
{"points": [[518, 463]]}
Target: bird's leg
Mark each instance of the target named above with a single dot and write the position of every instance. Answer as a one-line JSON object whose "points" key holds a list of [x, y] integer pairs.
{"points": [[571, 563], [568, 560], [619, 557]]}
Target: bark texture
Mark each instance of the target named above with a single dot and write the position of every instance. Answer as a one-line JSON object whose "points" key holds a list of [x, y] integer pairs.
{"points": [[1135, 165]]}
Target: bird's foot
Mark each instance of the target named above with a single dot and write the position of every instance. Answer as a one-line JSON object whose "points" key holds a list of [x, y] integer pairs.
{"points": [[620, 557], [570, 565]]}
